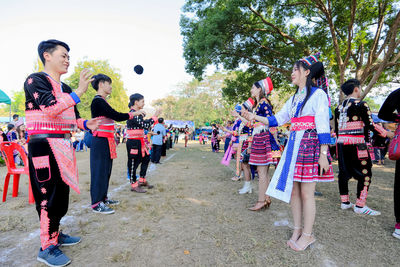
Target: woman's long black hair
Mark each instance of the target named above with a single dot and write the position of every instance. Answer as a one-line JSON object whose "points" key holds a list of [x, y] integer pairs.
{"points": [[309, 82], [262, 95]]}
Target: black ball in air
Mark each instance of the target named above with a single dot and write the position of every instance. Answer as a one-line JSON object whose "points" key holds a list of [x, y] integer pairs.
{"points": [[138, 69]]}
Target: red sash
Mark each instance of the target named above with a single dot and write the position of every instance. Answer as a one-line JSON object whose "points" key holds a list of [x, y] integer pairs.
{"points": [[138, 135], [106, 129]]}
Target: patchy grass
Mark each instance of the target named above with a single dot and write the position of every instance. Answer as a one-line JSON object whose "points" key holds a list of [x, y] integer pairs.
{"points": [[195, 208], [120, 257], [12, 222]]}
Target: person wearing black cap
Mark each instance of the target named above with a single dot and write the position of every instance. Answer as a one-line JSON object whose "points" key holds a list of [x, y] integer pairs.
{"points": [[51, 116], [353, 123], [103, 147], [136, 146]]}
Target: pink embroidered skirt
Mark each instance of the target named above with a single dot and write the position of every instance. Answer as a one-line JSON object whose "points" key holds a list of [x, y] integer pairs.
{"points": [[261, 152], [306, 168]]}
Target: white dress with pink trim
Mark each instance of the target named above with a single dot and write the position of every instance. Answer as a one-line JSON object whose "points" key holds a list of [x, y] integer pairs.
{"points": [[309, 129]]}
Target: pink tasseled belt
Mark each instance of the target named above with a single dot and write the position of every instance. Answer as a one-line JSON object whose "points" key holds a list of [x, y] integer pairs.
{"points": [[302, 123]]}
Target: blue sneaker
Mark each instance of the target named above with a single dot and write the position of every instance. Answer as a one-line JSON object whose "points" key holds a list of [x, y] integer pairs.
{"points": [[103, 208], [66, 240], [53, 256]]}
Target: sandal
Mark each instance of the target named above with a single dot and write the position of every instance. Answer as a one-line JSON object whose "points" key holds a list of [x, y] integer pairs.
{"points": [[291, 240], [295, 247], [266, 204], [236, 178]]}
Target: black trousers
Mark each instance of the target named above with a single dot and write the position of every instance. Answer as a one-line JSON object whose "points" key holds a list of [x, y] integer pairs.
{"points": [[176, 139], [156, 153], [164, 150], [397, 192], [354, 162], [135, 159], [100, 169], [50, 192]]}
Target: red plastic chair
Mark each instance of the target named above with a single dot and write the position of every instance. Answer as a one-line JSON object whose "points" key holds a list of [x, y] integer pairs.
{"points": [[7, 151]]}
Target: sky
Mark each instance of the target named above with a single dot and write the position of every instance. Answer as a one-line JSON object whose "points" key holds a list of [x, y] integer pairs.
{"points": [[125, 33]]}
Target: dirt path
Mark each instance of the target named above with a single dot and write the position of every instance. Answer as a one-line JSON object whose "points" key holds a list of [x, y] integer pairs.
{"points": [[194, 217]]}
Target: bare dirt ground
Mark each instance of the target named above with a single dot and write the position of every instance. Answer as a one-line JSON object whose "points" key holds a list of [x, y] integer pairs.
{"points": [[195, 217]]}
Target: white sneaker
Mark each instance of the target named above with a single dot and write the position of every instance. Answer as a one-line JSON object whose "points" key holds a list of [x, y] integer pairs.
{"points": [[346, 206], [396, 233], [246, 188], [366, 210]]}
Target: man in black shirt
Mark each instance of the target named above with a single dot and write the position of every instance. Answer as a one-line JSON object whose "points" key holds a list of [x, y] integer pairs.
{"points": [[103, 147], [353, 123]]}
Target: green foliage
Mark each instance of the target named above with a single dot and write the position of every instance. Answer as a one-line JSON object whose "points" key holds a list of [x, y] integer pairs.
{"points": [[237, 88], [372, 105], [18, 103], [118, 99], [18, 97], [354, 38], [198, 101], [38, 66]]}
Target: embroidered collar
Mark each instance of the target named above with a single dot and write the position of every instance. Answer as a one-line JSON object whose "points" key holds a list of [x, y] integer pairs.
{"points": [[60, 83]]}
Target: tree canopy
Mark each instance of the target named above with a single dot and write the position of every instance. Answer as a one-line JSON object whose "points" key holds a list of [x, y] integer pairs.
{"points": [[198, 101], [18, 97], [118, 98], [357, 38]]}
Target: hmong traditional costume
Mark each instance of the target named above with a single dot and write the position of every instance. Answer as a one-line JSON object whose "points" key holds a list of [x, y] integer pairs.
{"points": [[214, 140], [51, 115], [235, 135], [137, 147], [244, 138], [353, 123], [228, 138], [309, 129], [264, 148], [103, 148], [387, 112]]}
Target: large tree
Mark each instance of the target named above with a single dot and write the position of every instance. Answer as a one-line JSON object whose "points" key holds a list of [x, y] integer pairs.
{"points": [[357, 38], [118, 98], [198, 101]]}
